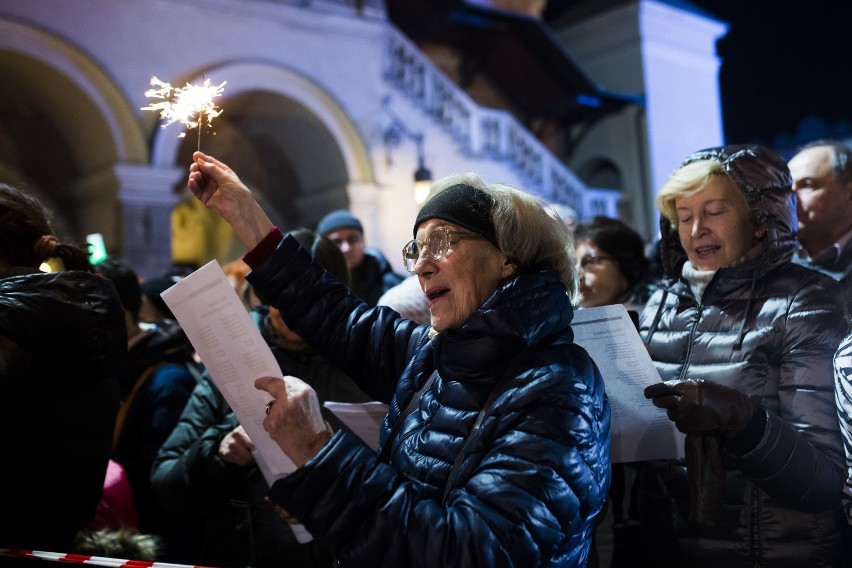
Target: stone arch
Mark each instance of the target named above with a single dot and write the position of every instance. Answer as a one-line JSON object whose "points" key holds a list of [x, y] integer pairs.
{"points": [[601, 173], [252, 76], [290, 141], [60, 108]]}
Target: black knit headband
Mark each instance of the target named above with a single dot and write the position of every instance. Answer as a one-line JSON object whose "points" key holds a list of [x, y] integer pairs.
{"points": [[462, 205]]}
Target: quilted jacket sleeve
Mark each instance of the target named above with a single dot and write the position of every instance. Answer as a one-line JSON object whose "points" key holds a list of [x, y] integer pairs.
{"points": [[542, 477], [799, 459], [370, 344]]}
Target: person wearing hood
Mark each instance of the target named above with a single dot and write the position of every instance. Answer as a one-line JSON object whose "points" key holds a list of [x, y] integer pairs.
{"points": [[495, 450], [743, 340], [62, 353]]}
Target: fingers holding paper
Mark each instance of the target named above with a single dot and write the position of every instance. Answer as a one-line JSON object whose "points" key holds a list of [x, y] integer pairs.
{"points": [[236, 447], [294, 420]]}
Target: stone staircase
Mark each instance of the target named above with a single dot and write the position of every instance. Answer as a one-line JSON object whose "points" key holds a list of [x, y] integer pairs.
{"points": [[479, 132]]}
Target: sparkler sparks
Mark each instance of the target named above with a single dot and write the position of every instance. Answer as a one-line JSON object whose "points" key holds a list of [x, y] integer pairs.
{"points": [[191, 105]]}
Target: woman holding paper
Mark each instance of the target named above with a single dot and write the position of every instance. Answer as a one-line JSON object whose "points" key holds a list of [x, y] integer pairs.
{"points": [[743, 340], [495, 449]]}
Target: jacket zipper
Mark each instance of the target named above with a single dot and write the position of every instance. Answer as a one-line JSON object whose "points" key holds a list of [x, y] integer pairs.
{"points": [[699, 310]]}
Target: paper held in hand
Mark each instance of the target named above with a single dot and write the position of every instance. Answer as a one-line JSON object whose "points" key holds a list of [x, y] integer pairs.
{"points": [[639, 430], [235, 354]]}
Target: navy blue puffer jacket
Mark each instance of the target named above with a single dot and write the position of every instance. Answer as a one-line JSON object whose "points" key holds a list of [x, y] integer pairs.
{"points": [[531, 479]]}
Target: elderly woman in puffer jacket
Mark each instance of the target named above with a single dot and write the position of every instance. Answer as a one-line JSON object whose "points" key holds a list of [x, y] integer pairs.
{"points": [[743, 340], [495, 451]]}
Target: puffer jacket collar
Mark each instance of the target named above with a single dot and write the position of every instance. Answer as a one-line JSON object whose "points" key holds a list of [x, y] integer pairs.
{"points": [[523, 312]]}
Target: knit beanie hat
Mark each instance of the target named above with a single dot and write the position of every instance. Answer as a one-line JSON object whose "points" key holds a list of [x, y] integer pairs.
{"points": [[464, 206], [336, 220]]}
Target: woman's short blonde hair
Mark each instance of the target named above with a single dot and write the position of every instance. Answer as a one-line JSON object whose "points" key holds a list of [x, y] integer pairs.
{"points": [[528, 233], [688, 180]]}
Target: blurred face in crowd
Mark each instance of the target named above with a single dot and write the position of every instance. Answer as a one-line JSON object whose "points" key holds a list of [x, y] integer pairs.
{"points": [[601, 280], [824, 203], [714, 225], [351, 243], [468, 273], [282, 335]]}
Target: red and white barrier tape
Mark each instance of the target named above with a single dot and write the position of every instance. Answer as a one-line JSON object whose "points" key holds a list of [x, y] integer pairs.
{"points": [[90, 560]]}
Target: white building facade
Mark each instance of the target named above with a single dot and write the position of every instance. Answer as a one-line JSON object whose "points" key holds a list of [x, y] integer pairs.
{"points": [[326, 106]]}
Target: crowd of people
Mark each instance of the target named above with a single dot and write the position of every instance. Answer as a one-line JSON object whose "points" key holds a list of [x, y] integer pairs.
{"points": [[495, 450]]}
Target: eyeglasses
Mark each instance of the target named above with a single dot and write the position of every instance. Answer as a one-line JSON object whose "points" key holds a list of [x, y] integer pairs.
{"points": [[592, 259], [437, 245]]}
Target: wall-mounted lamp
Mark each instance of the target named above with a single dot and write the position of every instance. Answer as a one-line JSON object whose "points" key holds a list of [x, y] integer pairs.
{"points": [[422, 175], [392, 138]]}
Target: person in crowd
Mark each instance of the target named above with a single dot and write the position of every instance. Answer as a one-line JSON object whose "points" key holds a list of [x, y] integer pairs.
{"points": [[153, 308], [822, 180], [408, 299], [843, 394], [62, 351], [568, 214], [613, 269], [370, 272], [161, 374], [611, 264], [206, 467], [495, 451], [742, 339], [114, 531]]}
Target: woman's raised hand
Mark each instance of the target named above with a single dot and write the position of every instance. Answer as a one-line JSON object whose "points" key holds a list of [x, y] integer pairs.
{"points": [[220, 189]]}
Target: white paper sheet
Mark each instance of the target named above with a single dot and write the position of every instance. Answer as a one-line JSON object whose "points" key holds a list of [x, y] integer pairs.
{"points": [[364, 419], [639, 430], [233, 351]]}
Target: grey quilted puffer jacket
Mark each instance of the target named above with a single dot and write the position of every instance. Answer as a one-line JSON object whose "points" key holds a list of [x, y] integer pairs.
{"points": [[766, 327]]}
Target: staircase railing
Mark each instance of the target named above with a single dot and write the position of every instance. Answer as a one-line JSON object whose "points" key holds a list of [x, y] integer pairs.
{"points": [[480, 132]]}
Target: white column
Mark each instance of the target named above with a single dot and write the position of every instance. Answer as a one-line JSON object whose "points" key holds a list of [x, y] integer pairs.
{"points": [[147, 196]]}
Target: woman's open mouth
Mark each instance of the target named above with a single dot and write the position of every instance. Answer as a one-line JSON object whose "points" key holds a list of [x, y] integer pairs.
{"points": [[434, 294]]}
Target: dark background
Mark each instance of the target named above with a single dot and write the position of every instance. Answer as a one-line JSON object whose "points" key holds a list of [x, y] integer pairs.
{"points": [[786, 75]]}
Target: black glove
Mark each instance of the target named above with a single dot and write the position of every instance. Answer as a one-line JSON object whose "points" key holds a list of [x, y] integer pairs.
{"points": [[704, 407], [702, 410]]}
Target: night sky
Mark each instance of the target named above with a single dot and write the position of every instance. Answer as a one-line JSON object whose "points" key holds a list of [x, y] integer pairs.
{"points": [[785, 61]]}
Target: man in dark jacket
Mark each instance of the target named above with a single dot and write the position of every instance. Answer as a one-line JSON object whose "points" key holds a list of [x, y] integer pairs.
{"points": [[822, 180], [370, 272]]}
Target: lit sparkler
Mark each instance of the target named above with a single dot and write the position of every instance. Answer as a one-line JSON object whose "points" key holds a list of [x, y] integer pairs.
{"points": [[191, 105]]}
